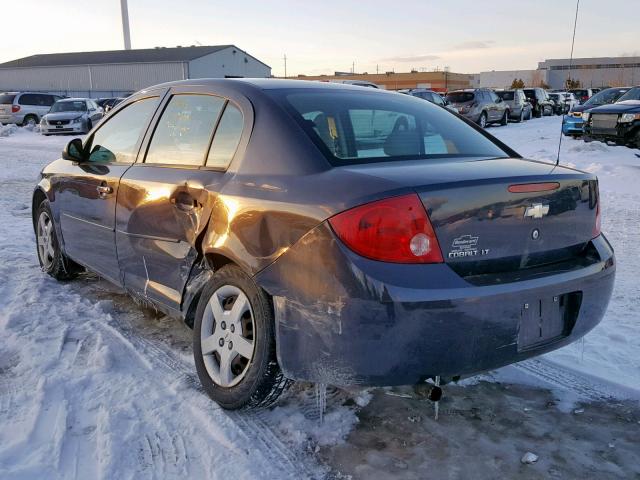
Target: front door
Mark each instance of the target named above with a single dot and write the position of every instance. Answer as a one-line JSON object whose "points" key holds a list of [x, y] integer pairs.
{"points": [[165, 202], [88, 192]]}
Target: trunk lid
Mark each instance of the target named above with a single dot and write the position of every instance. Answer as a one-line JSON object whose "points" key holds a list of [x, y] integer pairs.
{"points": [[483, 227]]}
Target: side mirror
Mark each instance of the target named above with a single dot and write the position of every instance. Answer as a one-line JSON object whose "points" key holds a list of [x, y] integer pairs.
{"points": [[74, 151]]}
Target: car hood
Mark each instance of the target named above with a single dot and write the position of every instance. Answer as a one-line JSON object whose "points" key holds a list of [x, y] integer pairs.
{"points": [[620, 107], [63, 116]]}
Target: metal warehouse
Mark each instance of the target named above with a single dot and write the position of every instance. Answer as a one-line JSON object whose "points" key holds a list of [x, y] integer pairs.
{"points": [[120, 72]]}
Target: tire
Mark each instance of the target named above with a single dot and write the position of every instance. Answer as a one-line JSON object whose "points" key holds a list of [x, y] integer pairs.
{"points": [[29, 120], [521, 117], [253, 382], [482, 121], [52, 260], [505, 118]]}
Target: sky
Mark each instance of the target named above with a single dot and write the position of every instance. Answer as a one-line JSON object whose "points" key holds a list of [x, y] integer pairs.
{"points": [[331, 35]]}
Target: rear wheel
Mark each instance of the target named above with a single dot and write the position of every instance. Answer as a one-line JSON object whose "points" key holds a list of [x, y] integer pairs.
{"points": [[234, 342], [52, 260], [29, 121]]}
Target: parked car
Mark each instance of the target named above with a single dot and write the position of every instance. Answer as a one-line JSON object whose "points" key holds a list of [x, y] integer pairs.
{"points": [[559, 105], [25, 108], [519, 106], [326, 233], [480, 105], [540, 101], [572, 124], [108, 103], [430, 96], [582, 94], [71, 115], [618, 122]]}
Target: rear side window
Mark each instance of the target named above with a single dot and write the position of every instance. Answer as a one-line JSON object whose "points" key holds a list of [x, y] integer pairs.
{"points": [[226, 139], [184, 130], [28, 99], [6, 99], [506, 95], [437, 99], [117, 138], [47, 100], [353, 127]]}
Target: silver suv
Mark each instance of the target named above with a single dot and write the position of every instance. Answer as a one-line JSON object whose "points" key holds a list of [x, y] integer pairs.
{"points": [[480, 105], [519, 106], [25, 108]]}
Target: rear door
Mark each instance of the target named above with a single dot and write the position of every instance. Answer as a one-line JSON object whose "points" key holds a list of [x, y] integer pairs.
{"points": [[165, 201], [87, 192]]}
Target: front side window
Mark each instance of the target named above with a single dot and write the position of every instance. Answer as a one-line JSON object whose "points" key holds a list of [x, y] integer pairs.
{"points": [[227, 137], [437, 99], [633, 94], [116, 139], [506, 95], [184, 130], [355, 127]]}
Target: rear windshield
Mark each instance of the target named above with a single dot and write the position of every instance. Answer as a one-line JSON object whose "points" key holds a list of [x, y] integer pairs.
{"points": [[580, 93], [633, 94], [6, 99], [505, 95], [69, 106], [530, 93], [460, 97], [353, 127]]}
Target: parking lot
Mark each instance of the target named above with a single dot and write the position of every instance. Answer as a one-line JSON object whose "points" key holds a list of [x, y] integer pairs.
{"points": [[92, 384]]}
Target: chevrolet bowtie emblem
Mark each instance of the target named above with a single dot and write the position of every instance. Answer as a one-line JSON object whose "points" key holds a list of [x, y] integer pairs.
{"points": [[537, 210]]}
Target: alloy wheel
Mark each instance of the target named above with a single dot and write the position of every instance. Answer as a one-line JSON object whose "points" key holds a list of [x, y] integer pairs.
{"points": [[46, 248], [227, 336], [483, 120]]}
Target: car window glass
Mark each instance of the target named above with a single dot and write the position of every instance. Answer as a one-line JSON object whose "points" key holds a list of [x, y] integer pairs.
{"points": [[226, 139], [361, 128], [28, 99], [116, 139], [437, 99], [184, 130]]}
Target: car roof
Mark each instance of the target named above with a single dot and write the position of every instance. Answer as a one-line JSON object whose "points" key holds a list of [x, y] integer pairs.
{"points": [[77, 99]]}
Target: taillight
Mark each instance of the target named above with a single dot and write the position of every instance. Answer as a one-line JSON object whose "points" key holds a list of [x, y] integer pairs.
{"points": [[394, 230], [15, 108]]}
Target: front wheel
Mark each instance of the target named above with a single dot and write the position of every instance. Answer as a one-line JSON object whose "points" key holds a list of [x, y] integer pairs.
{"points": [[482, 121], [52, 260], [234, 342], [505, 118]]}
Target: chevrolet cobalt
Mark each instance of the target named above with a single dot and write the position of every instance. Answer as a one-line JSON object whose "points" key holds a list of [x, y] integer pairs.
{"points": [[327, 233]]}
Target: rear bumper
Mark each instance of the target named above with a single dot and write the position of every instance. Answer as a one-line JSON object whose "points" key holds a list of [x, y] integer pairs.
{"points": [[572, 126], [12, 118], [342, 319]]}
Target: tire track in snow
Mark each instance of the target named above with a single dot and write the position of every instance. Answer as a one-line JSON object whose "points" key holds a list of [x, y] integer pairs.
{"points": [[290, 464]]}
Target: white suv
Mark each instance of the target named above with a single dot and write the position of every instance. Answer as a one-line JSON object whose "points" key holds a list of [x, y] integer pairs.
{"points": [[25, 108]]}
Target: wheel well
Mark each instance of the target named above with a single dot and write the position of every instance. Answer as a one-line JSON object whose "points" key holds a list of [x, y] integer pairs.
{"points": [[38, 198], [30, 115], [217, 260]]}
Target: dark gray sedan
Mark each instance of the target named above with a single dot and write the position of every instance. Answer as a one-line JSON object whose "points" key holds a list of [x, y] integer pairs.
{"points": [[327, 233]]}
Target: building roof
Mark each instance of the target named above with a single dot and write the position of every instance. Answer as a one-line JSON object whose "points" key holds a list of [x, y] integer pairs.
{"points": [[146, 55]]}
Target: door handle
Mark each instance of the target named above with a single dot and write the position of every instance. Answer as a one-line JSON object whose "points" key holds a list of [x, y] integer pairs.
{"points": [[104, 190]]}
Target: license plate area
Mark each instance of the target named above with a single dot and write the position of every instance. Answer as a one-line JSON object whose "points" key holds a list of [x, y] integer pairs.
{"points": [[549, 319]]}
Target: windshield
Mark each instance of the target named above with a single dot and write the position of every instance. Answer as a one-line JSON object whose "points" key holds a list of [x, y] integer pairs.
{"points": [[505, 95], [460, 97], [6, 99], [353, 127], [69, 106], [605, 96], [633, 94]]}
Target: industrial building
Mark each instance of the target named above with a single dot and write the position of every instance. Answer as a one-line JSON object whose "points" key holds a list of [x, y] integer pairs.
{"points": [[440, 81], [591, 72], [120, 72]]}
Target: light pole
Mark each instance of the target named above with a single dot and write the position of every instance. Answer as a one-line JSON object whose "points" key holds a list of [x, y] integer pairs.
{"points": [[124, 9]]}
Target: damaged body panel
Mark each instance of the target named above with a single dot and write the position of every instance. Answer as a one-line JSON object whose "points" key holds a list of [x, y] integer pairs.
{"points": [[253, 173]]}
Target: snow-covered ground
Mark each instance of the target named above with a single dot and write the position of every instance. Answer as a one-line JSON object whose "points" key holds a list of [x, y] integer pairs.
{"points": [[94, 386]]}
